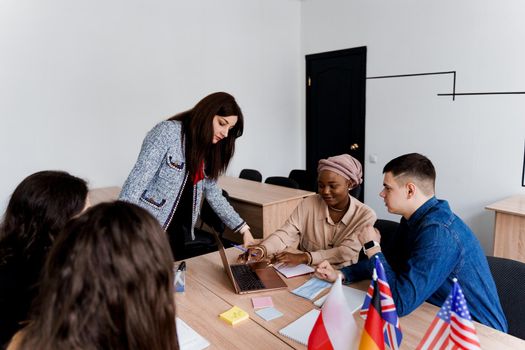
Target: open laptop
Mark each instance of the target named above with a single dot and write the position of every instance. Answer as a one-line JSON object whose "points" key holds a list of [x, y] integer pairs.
{"points": [[250, 278]]}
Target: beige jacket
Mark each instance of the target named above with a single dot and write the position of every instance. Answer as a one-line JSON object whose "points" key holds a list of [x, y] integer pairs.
{"points": [[311, 229]]}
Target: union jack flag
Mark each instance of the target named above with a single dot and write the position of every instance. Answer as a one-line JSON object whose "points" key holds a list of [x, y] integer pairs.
{"points": [[452, 327], [391, 330]]}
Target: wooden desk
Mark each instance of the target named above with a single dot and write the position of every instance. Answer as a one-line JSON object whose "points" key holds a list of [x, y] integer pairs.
{"points": [[206, 273], [509, 228], [199, 307], [265, 207]]}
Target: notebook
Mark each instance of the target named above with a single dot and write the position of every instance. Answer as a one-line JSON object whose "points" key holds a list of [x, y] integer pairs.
{"points": [[300, 329], [250, 278], [292, 271], [354, 298]]}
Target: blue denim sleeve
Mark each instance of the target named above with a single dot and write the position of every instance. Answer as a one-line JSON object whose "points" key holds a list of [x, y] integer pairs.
{"points": [[434, 256], [356, 272]]}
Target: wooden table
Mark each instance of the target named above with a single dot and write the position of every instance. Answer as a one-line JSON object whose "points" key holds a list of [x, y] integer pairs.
{"points": [[199, 307], [209, 293], [509, 228], [265, 207]]}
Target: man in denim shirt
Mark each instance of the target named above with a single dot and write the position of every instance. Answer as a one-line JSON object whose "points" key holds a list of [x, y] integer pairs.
{"points": [[432, 246]]}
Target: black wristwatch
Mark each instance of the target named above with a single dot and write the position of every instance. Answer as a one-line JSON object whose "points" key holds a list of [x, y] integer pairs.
{"points": [[369, 245]]}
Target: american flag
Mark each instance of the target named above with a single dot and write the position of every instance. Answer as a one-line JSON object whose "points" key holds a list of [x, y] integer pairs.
{"points": [[452, 327], [391, 329]]}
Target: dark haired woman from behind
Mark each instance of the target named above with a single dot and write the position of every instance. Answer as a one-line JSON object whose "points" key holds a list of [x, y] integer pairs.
{"points": [[107, 284], [179, 164], [38, 209]]}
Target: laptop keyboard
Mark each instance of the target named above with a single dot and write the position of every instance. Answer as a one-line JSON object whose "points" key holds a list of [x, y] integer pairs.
{"points": [[246, 278]]}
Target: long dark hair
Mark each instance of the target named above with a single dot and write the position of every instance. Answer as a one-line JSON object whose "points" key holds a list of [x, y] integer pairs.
{"points": [[38, 209], [107, 284], [198, 132]]}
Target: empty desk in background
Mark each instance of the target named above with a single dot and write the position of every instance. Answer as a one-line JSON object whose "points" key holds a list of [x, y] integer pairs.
{"points": [[265, 207], [209, 292], [103, 194], [509, 228]]}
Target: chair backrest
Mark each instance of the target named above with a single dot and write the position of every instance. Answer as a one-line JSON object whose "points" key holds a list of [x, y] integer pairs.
{"points": [[387, 229], [251, 174], [210, 218], [204, 241], [509, 276], [301, 177], [356, 191], [282, 181]]}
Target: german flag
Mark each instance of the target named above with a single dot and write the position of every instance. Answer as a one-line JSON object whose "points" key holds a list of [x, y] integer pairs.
{"points": [[372, 336]]}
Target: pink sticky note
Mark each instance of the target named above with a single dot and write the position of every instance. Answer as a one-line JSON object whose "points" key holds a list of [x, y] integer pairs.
{"points": [[262, 302]]}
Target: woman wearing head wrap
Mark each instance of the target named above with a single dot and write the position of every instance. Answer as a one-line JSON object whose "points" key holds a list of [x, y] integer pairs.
{"points": [[322, 227]]}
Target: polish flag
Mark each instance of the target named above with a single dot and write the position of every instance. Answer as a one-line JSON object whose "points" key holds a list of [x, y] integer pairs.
{"points": [[335, 327]]}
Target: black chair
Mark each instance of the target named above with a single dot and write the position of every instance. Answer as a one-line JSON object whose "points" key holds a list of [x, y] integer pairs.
{"points": [[387, 229], [251, 174], [356, 191], [509, 276], [282, 181], [204, 241], [301, 177]]}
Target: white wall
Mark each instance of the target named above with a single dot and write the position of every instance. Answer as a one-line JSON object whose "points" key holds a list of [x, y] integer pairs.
{"points": [[475, 142], [82, 82]]}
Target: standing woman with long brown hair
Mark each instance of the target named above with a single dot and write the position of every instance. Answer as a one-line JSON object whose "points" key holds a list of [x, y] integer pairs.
{"points": [[107, 284], [179, 164]]}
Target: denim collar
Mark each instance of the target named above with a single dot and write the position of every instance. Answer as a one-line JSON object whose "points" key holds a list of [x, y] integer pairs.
{"points": [[421, 211]]}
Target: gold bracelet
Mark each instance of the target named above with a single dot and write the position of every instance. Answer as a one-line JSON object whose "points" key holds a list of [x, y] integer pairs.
{"points": [[262, 249]]}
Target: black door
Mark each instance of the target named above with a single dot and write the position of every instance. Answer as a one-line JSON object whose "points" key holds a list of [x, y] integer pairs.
{"points": [[335, 107]]}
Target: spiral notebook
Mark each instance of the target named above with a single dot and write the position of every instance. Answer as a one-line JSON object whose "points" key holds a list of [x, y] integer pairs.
{"points": [[300, 329]]}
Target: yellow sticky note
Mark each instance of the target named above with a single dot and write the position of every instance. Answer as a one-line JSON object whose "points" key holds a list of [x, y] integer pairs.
{"points": [[234, 315]]}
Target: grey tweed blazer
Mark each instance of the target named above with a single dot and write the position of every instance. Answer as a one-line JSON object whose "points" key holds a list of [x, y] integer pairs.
{"points": [[159, 175]]}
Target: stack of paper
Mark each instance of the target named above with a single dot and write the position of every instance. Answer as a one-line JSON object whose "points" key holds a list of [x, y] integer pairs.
{"points": [[234, 315], [264, 308], [188, 338], [300, 329], [292, 271], [269, 313], [312, 288], [262, 302], [354, 298]]}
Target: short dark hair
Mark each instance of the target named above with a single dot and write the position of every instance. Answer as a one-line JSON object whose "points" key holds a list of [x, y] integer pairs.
{"points": [[198, 132], [107, 284], [416, 167]]}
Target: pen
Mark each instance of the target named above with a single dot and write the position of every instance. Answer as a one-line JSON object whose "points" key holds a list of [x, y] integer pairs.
{"points": [[182, 266], [243, 249]]}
